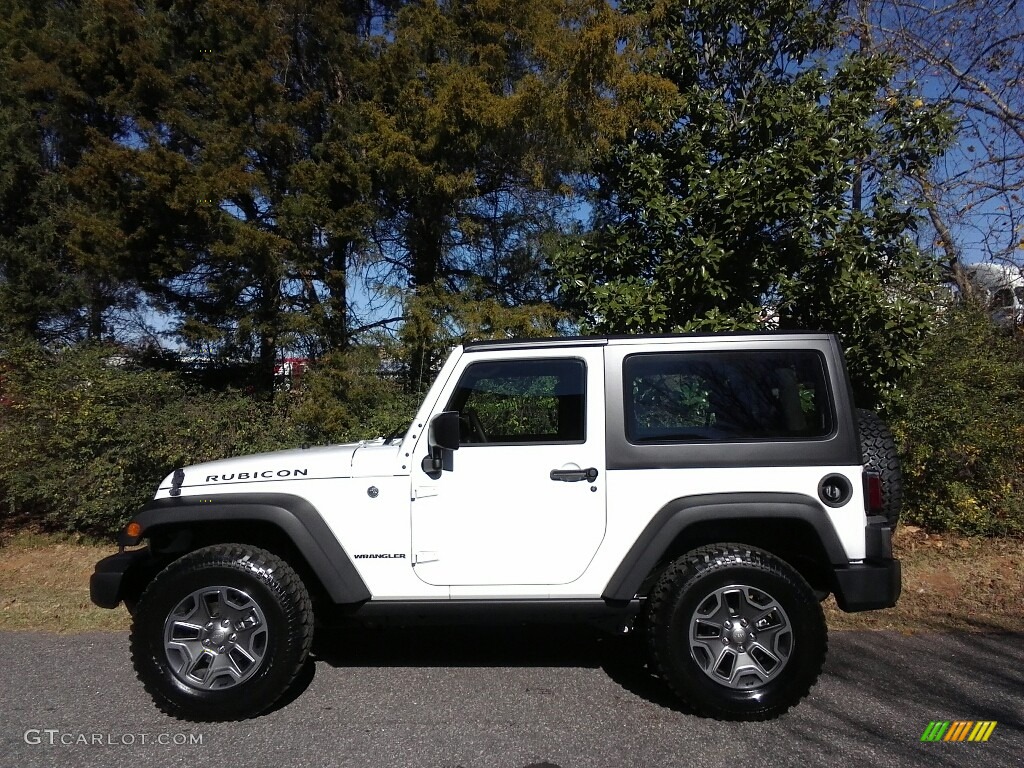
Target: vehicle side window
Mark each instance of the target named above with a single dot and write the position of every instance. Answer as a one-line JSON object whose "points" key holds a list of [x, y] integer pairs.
{"points": [[726, 396], [1002, 299], [521, 401]]}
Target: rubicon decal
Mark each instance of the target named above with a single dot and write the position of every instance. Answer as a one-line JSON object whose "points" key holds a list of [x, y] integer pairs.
{"points": [[958, 730], [266, 474]]}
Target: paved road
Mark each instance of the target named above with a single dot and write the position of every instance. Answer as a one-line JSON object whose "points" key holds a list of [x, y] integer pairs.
{"points": [[512, 699]]}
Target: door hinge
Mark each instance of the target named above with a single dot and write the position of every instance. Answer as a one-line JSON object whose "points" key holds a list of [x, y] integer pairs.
{"points": [[424, 491]]}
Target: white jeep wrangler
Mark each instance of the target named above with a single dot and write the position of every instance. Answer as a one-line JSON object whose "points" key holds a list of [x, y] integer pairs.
{"points": [[707, 490]]}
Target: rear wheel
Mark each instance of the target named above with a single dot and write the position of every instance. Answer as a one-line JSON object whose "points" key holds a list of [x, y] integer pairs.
{"points": [[221, 633], [735, 632]]}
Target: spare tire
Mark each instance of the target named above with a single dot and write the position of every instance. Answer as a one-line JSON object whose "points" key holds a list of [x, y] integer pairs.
{"points": [[878, 451]]}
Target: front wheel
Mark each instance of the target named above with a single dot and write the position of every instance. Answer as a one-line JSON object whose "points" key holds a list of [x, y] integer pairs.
{"points": [[735, 632], [221, 633]]}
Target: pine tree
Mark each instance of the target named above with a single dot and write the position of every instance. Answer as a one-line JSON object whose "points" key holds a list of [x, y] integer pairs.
{"points": [[65, 75], [481, 113]]}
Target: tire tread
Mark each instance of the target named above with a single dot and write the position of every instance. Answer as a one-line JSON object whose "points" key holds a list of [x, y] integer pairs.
{"points": [[878, 447], [288, 589], [679, 575]]}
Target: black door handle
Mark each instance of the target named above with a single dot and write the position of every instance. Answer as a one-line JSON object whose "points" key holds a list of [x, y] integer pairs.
{"points": [[574, 475]]}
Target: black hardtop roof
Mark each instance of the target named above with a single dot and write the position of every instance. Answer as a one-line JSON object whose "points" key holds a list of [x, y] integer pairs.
{"points": [[568, 341]]}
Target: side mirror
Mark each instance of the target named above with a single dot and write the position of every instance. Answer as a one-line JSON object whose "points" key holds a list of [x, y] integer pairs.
{"points": [[442, 435], [444, 431]]}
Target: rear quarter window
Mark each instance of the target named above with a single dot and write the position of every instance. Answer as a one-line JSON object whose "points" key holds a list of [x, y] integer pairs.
{"points": [[707, 397]]}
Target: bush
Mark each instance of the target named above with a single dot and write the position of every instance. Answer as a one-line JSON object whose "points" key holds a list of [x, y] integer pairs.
{"points": [[344, 398], [85, 439], [959, 419]]}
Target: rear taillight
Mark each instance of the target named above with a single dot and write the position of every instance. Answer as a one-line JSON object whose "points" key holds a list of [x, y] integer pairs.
{"points": [[874, 498]]}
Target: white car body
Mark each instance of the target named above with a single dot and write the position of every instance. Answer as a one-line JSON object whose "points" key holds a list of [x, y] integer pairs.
{"points": [[497, 526]]}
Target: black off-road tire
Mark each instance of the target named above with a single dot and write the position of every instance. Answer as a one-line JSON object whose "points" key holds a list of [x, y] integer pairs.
{"points": [[712, 575], [881, 457], [232, 581]]}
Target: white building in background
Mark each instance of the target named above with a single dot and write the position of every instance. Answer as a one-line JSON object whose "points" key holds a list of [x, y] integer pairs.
{"points": [[1001, 288]]}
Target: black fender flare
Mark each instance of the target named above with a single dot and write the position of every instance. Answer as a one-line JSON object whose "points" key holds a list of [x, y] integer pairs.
{"points": [[679, 514], [295, 517]]}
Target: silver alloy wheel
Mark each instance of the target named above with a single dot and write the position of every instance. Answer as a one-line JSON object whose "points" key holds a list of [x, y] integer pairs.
{"points": [[740, 636], [215, 638]]}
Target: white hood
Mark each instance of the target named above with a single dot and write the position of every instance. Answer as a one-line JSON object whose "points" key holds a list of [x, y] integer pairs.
{"points": [[330, 461]]}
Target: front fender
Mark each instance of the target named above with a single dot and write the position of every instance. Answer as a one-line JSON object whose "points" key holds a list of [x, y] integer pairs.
{"points": [[295, 517]]}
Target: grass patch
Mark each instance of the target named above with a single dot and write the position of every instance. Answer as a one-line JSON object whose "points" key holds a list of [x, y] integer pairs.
{"points": [[949, 583], [44, 584]]}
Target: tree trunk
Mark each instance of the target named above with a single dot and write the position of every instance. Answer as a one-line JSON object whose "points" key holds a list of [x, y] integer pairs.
{"points": [[425, 238]]}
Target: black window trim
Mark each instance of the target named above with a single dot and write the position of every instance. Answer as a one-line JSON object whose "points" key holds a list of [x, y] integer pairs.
{"points": [[627, 404], [519, 360], [843, 450]]}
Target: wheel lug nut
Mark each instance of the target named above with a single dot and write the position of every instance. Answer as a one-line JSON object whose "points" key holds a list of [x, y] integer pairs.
{"points": [[743, 622], [225, 623], [728, 623], [233, 638], [725, 640]]}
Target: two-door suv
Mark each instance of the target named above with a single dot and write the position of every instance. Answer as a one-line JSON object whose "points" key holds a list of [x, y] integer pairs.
{"points": [[707, 491]]}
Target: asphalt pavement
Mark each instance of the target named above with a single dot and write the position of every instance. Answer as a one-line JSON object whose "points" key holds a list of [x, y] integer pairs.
{"points": [[513, 698]]}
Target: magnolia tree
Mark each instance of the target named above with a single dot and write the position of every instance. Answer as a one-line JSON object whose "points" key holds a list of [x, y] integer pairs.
{"points": [[767, 187]]}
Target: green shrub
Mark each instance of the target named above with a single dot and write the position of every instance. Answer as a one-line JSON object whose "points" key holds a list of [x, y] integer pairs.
{"points": [[344, 398], [959, 419], [85, 439]]}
